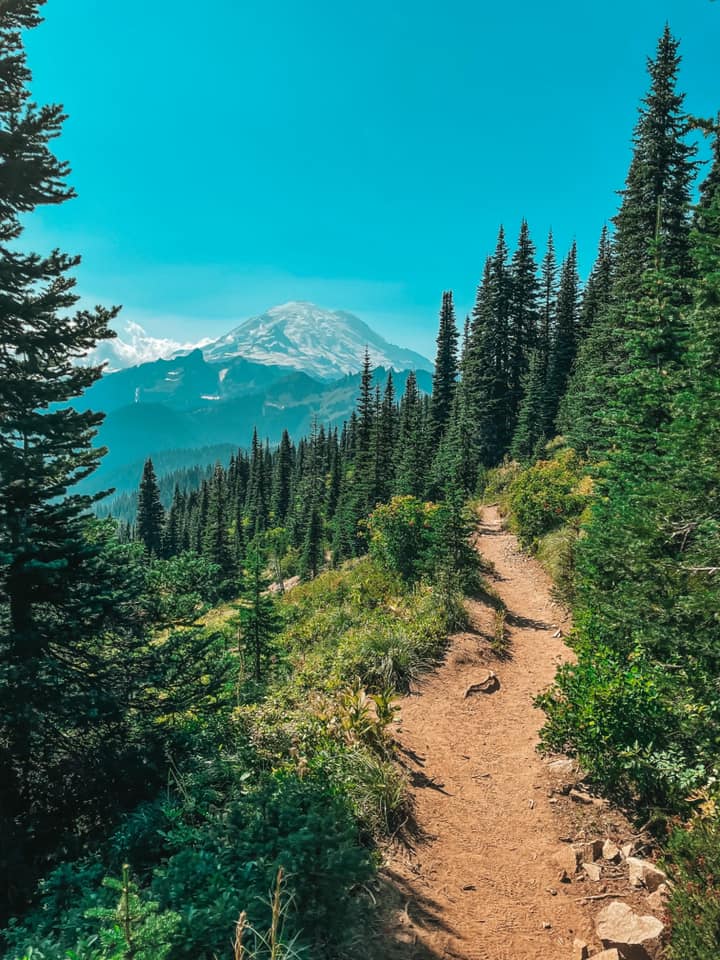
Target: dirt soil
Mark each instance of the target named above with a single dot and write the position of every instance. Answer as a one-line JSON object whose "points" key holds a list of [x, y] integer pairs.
{"points": [[475, 874]]}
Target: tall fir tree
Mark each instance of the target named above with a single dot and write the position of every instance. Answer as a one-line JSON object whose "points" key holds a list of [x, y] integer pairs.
{"points": [[150, 513], [523, 320], [258, 618], [410, 477], [597, 294], [216, 544], [256, 498], [656, 198], [653, 225], [282, 478], [548, 301], [483, 383], [530, 431], [446, 367], [565, 339]]}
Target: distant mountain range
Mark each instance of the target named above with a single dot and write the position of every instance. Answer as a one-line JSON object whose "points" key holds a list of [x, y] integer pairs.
{"points": [[282, 370]]}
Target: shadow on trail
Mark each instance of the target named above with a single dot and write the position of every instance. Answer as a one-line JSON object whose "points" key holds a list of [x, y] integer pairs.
{"points": [[414, 913], [526, 623]]}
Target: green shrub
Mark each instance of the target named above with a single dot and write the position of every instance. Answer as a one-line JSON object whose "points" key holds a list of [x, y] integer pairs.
{"points": [[546, 496], [693, 861], [401, 536], [231, 860], [494, 483], [623, 718], [556, 553]]}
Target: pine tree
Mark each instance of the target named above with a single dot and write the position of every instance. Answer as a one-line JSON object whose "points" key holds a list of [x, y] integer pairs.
{"points": [[311, 557], [335, 474], [256, 499], [484, 384], [258, 619], [282, 477], [548, 301], [446, 367], [652, 227], [523, 320], [597, 294], [565, 339], [530, 430], [150, 513], [172, 534], [216, 541], [656, 198], [387, 434], [410, 476], [46, 449]]}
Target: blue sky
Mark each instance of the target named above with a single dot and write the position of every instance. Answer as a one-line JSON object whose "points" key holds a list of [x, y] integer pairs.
{"points": [[238, 154]]}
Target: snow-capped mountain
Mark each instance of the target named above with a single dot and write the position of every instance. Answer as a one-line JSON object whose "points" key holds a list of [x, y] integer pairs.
{"points": [[133, 346], [321, 343]]}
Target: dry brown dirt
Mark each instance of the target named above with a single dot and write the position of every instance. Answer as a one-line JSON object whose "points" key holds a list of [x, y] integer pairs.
{"points": [[473, 874]]}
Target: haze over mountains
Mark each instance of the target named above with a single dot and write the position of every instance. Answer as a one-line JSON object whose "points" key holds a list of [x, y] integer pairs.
{"points": [[281, 370]]}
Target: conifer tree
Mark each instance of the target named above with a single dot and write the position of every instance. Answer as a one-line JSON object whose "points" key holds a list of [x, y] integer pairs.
{"points": [[335, 473], [216, 541], [548, 301], [311, 556], [446, 367], [530, 430], [387, 430], [150, 512], [46, 449], [656, 198], [484, 384], [411, 468], [282, 477], [256, 499], [598, 289], [172, 534], [652, 227], [564, 342], [258, 617], [523, 320]]}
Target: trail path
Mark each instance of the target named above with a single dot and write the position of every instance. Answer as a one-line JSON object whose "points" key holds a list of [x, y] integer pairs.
{"points": [[475, 881]]}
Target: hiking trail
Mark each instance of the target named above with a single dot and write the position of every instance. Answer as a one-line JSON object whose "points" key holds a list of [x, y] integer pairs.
{"points": [[476, 876]]}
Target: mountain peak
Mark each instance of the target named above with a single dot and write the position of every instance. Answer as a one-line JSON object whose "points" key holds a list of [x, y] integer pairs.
{"points": [[303, 336]]}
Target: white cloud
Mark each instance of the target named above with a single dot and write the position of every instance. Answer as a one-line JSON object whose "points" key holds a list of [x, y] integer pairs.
{"points": [[134, 345]]}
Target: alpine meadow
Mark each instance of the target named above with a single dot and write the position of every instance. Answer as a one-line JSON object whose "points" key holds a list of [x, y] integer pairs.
{"points": [[312, 648]]}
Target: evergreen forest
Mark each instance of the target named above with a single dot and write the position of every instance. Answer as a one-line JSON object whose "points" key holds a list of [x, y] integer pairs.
{"points": [[197, 693]]}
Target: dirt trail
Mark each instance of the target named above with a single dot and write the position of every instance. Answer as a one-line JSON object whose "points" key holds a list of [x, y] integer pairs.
{"points": [[474, 882]]}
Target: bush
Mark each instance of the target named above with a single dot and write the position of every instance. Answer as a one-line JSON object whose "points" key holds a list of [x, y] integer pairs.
{"points": [[624, 720], [693, 860], [402, 536], [546, 496], [230, 862]]}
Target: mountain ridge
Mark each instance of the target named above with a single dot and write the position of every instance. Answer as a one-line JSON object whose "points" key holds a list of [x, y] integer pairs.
{"points": [[322, 343]]}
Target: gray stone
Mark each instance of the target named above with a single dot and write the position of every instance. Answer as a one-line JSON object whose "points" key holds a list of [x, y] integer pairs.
{"points": [[657, 900], [634, 937], [642, 873], [611, 851], [581, 951], [593, 871]]}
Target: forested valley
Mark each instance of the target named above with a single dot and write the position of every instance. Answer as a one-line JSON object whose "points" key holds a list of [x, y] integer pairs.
{"points": [[197, 706]]}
